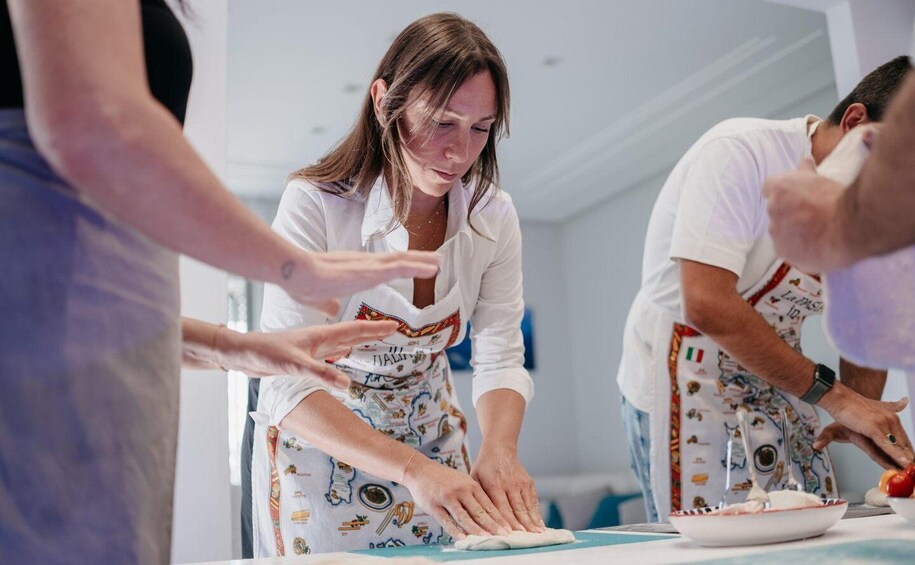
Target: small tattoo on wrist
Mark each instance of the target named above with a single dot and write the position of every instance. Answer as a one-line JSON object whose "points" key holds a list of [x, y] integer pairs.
{"points": [[287, 269]]}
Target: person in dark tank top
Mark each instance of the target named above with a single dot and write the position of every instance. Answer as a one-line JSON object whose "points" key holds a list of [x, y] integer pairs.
{"points": [[167, 56], [93, 216]]}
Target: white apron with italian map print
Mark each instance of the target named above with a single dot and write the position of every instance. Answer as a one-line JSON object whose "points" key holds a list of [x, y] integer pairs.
{"points": [[402, 387], [699, 387]]}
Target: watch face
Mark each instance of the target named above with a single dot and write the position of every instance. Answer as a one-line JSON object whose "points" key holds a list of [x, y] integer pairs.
{"points": [[825, 375]]}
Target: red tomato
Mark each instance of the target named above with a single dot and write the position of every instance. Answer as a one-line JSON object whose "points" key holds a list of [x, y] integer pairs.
{"points": [[885, 478], [900, 485], [909, 470]]}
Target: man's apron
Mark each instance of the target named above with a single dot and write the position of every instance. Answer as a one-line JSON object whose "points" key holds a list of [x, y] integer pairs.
{"points": [[698, 389], [402, 387]]}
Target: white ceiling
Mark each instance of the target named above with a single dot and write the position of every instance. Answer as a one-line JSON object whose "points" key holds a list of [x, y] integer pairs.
{"points": [[636, 83]]}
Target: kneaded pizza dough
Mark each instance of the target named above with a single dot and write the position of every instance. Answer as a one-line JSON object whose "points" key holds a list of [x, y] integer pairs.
{"points": [[778, 500], [515, 540], [784, 499], [875, 497], [748, 507]]}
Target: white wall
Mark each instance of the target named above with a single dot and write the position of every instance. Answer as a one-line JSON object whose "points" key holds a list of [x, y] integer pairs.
{"points": [[864, 34], [203, 519], [602, 259]]}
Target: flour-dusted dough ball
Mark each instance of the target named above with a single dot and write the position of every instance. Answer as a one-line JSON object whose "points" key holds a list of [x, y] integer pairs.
{"points": [[782, 499], [515, 540], [875, 497]]}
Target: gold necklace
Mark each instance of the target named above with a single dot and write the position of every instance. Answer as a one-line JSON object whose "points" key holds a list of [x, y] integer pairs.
{"points": [[438, 213], [434, 236]]}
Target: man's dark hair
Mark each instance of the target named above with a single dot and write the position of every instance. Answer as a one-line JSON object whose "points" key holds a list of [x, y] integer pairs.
{"points": [[875, 90]]}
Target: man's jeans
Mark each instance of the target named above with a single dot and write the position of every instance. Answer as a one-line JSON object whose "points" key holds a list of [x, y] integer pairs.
{"points": [[637, 429]]}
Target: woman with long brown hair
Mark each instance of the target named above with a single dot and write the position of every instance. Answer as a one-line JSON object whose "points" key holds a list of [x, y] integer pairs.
{"points": [[385, 462]]}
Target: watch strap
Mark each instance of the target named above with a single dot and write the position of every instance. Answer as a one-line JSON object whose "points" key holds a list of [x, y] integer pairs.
{"points": [[823, 379]]}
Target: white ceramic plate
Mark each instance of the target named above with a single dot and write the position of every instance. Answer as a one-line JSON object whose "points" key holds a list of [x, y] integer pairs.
{"points": [[771, 526], [905, 507]]}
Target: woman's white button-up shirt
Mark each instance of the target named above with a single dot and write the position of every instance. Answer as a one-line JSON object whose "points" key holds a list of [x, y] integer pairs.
{"points": [[486, 263]]}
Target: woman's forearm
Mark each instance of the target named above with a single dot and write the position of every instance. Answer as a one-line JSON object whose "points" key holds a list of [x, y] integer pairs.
{"points": [[201, 344], [501, 413], [327, 424]]}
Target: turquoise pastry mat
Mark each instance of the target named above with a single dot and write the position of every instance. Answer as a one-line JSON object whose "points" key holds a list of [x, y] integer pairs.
{"points": [[872, 552], [446, 553]]}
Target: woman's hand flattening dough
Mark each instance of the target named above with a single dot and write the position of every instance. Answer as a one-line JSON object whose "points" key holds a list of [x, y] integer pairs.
{"points": [[454, 499], [504, 479]]}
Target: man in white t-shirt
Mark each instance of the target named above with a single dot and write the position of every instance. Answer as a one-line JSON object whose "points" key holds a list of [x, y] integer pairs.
{"points": [[716, 326]]}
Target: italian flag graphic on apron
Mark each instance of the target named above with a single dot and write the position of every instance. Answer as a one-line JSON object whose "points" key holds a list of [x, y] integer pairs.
{"points": [[694, 354]]}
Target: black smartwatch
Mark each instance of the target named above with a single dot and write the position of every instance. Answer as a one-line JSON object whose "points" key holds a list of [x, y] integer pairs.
{"points": [[823, 379]]}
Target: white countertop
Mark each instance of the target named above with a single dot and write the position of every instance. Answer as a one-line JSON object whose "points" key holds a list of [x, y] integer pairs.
{"points": [[677, 550]]}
